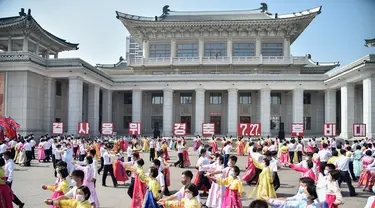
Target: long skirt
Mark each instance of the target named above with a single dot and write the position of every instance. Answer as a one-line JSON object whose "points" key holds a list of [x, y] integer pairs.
{"points": [[232, 199], [284, 157], [6, 196], [139, 193], [357, 166], [41, 154], [55, 195], [185, 154], [215, 195], [171, 144], [150, 201], [119, 172], [364, 179], [249, 172], [167, 175], [330, 199], [93, 196], [201, 179], [21, 157]]}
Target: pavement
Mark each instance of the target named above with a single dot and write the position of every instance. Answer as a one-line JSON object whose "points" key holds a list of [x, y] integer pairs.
{"points": [[28, 181]]}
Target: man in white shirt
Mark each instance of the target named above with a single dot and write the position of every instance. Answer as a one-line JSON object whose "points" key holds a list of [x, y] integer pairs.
{"points": [[274, 165], [299, 147], [160, 178], [57, 154], [32, 143], [292, 147], [226, 151], [108, 168], [28, 153], [324, 155], [47, 145], [3, 148], [272, 147], [152, 149], [342, 164], [133, 162], [12, 144], [8, 173], [180, 161]]}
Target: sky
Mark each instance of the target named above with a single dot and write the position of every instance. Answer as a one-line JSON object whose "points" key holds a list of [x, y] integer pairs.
{"points": [[337, 34]]}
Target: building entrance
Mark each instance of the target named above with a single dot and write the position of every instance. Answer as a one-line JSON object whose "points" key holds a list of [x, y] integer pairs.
{"points": [[217, 121], [187, 120]]}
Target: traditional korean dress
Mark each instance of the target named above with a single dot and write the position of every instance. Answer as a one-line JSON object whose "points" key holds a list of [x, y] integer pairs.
{"points": [[185, 154], [61, 188], [87, 181], [250, 171], [41, 153], [68, 158], [216, 193], [357, 166], [72, 203], [164, 147], [284, 156], [139, 191], [171, 143], [167, 173], [265, 183], [146, 146], [152, 194], [199, 176], [6, 193], [233, 192], [214, 146], [306, 172], [364, 179], [240, 148], [119, 171], [184, 203]]}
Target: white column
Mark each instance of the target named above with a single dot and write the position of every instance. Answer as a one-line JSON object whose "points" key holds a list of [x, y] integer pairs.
{"points": [[93, 109], [167, 112], [258, 47], [9, 43], [137, 105], [146, 48], [298, 105], [229, 47], [56, 55], [201, 47], [199, 110], [37, 49], [286, 47], [48, 52], [232, 111], [369, 106], [49, 103], [173, 48], [347, 112], [265, 111], [75, 104], [107, 106], [330, 106], [25, 46]]}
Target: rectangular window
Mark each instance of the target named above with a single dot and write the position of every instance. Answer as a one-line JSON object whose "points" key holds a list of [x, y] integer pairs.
{"points": [[58, 88], [307, 123], [160, 50], [215, 98], [157, 122], [245, 119], [128, 98], [245, 98], [275, 122], [127, 120], [215, 49], [187, 50], [157, 99], [275, 98], [186, 98], [243, 49], [132, 51], [307, 98], [272, 49], [57, 119]]}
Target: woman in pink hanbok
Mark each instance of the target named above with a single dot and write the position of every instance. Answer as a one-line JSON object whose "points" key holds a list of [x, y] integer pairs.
{"points": [[89, 179], [364, 178], [214, 145], [186, 155], [216, 193], [307, 172], [41, 154], [284, 155]]}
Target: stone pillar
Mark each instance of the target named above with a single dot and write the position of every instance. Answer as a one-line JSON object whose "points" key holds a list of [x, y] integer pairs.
{"points": [[330, 106], [199, 110], [265, 111], [347, 112], [146, 48], [74, 104], [137, 105], [298, 105], [286, 47], [229, 47], [107, 106], [232, 111], [201, 47], [49, 103], [173, 48], [9, 43], [56, 55], [369, 106], [167, 112], [93, 109], [258, 47], [25, 45], [37, 49], [48, 52]]}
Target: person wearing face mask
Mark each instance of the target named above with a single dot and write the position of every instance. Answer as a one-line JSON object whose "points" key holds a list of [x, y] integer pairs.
{"points": [[77, 181], [62, 187], [88, 181], [81, 199], [133, 164], [216, 192], [186, 178], [190, 199], [333, 192], [139, 188], [201, 179]]}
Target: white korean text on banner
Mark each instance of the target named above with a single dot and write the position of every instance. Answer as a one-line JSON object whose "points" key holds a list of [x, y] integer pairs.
{"points": [[57, 128], [329, 129], [249, 129], [359, 130], [179, 129], [84, 128], [298, 129], [135, 128], [107, 128], [208, 129]]}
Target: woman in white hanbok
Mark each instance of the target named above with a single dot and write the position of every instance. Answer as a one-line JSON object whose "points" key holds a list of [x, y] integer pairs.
{"points": [[216, 193]]}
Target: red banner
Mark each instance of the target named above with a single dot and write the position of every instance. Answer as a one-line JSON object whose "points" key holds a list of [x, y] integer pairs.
{"points": [[249, 129]]}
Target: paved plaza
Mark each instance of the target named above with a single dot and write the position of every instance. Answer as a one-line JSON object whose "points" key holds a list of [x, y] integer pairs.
{"points": [[28, 181]]}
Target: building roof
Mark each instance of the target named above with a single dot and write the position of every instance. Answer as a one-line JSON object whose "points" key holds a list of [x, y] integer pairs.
{"points": [[313, 67], [121, 64], [370, 42], [24, 21]]}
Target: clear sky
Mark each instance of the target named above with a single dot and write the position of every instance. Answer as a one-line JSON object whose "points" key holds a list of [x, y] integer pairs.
{"points": [[337, 34]]}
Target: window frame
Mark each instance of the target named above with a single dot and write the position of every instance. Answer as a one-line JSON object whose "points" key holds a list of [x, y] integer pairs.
{"points": [[212, 51], [307, 98], [186, 97], [272, 50], [128, 98], [157, 99], [59, 89], [245, 96], [164, 52], [307, 123], [187, 52], [243, 51], [275, 94], [215, 98]]}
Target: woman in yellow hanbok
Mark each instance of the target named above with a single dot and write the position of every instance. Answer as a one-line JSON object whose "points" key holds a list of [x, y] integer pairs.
{"points": [[146, 145], [188, 201], [234, 190], [81, 200], [153, 187], [265, 186]]}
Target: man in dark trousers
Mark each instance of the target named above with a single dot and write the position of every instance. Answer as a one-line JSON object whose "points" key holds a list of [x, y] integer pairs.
{"points": [[28, 152], [108, 168], [342, 164], [102, 149], [152, 149], [8, 164]]}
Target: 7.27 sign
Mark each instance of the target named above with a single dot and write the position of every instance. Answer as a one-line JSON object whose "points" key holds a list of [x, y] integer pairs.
{"points": [[249, 129]]}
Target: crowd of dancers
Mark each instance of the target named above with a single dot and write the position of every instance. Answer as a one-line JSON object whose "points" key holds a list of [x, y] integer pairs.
{"points": [[324, 164]]}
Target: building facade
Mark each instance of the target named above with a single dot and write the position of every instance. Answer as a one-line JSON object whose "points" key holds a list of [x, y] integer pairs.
{"points": [[225, 68]]}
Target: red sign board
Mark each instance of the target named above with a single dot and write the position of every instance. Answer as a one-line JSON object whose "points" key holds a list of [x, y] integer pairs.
{"points": [[298, 129], [107, 128], [249, 129], [179, 129], [329, 129], [57, 128], [84, 128], [208, 129], [359, 130], [135, 128], [215, 114]]}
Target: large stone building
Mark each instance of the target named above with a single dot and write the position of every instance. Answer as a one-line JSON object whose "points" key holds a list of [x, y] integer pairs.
{"points": [[221, 67]]}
